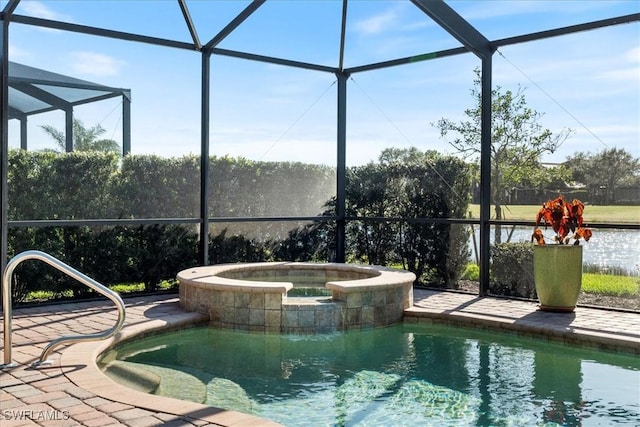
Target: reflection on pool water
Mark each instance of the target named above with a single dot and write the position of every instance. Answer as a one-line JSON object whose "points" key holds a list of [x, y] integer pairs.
{"points": [[411, 374]]}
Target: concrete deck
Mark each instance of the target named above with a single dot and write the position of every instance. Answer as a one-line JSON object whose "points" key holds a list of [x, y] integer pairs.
{"points": [[72, 391]]}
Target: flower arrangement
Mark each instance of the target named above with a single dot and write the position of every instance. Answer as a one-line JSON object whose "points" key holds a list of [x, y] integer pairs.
{"points": [[564, 218]]}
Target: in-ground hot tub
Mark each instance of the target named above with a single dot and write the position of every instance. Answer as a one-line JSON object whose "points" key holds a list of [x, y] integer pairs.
{"points": [[254, 297]]}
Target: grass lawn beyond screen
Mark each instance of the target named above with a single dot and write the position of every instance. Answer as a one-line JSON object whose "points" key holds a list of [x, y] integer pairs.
{"points": [[622, 214]]}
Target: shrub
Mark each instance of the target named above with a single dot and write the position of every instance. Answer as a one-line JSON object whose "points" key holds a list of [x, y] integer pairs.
{"points": [[159, 252], [512, 270], [235, 248], [471, 272], [33, 275]]}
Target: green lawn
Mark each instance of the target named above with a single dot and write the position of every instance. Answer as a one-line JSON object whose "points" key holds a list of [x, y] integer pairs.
{"points": [[593, 283], [123, 289], [614, 214], [608, 284]]}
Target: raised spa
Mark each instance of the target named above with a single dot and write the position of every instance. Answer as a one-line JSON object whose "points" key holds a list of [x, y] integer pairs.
{"points": [[255, 297]]}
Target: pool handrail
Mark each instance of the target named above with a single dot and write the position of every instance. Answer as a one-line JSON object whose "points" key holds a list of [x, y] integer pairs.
{"points": [[71, 272]]}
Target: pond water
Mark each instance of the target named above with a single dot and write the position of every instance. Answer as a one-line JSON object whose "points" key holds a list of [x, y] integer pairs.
{"points": [[409, 375], [607, 248]]}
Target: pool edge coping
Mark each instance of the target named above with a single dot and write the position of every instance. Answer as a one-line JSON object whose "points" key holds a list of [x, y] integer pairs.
{"points": [[209, 276], [79, 365], [576, 336]]}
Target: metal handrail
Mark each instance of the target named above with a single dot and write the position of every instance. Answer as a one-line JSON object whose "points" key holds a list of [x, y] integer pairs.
{"points": [[71, 272]]}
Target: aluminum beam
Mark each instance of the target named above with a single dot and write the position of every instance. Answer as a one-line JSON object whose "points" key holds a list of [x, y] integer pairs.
{"points": [[4, 138], [485, 173], [102, 32], [242, 16], [272, 60], [192, 29], [9, 8], [407, 60], [42, 95], [205, 105], [341, 168], [624, 19], [458, 27], [126, 124], [343, 34]]}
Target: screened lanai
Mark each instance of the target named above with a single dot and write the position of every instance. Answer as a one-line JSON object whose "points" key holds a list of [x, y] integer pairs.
{"points": [[339, 60]]}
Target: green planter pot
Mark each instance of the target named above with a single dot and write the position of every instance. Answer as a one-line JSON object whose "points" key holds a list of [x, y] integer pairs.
{"points": [[557, 273]]}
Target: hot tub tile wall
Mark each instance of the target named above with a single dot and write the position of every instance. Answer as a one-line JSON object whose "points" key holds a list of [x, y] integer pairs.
{"points": [[225, 298], [234, 310], [256, 301], [368, 317], [373, 308], [241, 299], [273, 302], [329, 317], [308, 316], [272, 320], [260, 307], [242, 318], [354, 318], [289, 318]]}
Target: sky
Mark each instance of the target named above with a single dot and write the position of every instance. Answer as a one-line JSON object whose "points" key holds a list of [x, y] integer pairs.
{"points": [[588, 82]]}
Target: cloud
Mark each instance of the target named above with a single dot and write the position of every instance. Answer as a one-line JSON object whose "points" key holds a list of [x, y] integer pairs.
{"points": [[629, 75], [40, 10], [95, 64], [490, 9], [633, 55], [378, 23], [18, 54], [400, 17], [493, 9], [628, 69]]}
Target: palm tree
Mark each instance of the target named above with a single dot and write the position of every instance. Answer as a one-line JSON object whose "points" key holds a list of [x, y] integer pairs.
{"points": [[84, 139]]}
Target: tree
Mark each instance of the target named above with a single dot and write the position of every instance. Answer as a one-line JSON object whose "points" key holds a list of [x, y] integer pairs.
{"points": [[414, 186], [84, 139], [517, 142], [605, 172]]}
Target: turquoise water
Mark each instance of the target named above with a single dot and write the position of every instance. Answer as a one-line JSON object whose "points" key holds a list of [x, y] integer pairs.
{"points": [[413, 375], [309, 292]]}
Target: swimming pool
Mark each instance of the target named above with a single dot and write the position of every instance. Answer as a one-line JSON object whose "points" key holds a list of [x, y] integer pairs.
{"points": [[406, 374]]}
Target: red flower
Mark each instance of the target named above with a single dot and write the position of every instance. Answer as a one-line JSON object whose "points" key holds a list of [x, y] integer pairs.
{"points": [[564, 218]]}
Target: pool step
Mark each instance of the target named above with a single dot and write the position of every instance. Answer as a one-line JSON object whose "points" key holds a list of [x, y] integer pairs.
{"points": [[224, 393], [160, 380], [133, 375]]}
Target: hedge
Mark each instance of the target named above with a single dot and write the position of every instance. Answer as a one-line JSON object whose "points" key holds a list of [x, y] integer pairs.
{"points": [[94, 185]]}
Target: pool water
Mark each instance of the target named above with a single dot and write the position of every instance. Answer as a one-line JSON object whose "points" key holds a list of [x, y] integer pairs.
{"points": [[411, 374], [308, 285], [309, 292]]}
